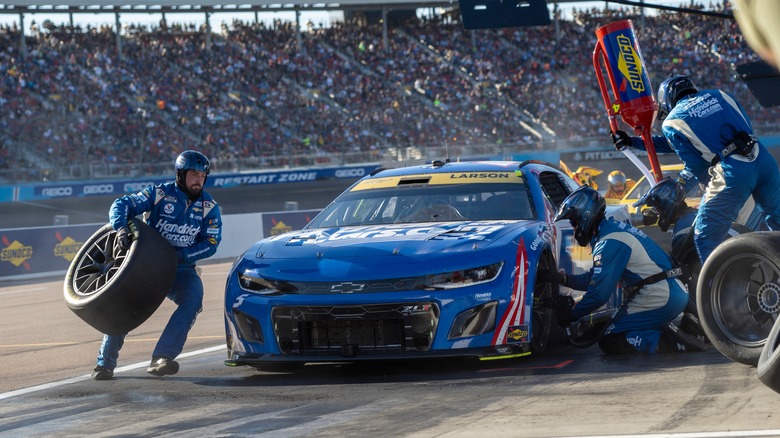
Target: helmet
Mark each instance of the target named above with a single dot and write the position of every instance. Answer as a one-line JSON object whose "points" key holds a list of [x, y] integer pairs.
{"points": [[190, 160], [584, 208], [617, 177], [670, 92], [665, 198]]}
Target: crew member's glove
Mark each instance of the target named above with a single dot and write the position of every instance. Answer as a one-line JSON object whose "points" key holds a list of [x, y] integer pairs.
{"points": [[620, 139], [548, 276], [124, 237], [563, 315], [649, 217]]}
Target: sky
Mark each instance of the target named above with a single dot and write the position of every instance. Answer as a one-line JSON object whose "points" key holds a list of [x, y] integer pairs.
{"points": [[316, 17]]}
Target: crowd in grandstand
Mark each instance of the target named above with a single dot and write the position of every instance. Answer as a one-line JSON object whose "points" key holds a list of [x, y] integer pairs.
{"points": [[257, 90]]}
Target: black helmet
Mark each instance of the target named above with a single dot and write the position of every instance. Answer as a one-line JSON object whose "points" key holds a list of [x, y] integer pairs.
{"points": [[584, 208], [670, 92], [190, 160], [665, 199]]}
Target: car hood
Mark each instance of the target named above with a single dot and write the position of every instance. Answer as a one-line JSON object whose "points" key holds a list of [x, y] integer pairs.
{"points": [[386, 251], [375, 240]]}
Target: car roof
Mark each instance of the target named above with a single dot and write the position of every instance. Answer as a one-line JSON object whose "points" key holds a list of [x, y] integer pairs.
{"points": [[463, 166]]}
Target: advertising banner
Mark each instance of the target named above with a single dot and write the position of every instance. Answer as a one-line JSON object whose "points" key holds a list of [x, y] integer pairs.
{"points": [[25, 251], [32, 192], [288, 176], [276, 223], [7, 193]]}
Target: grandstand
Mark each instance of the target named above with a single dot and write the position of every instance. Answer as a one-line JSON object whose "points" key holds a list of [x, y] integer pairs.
{"points": [[85, 103]]}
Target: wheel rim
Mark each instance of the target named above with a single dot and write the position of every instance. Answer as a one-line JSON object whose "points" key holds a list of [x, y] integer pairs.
{"points": [[746, 299], [98, 265]]}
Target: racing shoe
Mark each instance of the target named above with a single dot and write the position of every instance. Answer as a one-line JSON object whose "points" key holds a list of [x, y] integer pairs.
{"points": [[102, 373], [689, 323], [162, 366], [674, 340]]}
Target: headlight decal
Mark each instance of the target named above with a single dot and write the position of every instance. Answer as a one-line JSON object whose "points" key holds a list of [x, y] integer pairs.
{"points": [[515, 312]]}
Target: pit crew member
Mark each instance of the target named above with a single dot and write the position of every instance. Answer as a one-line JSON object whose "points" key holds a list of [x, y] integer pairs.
{"points": [[653, 294], [713, 136], [189, 219]]}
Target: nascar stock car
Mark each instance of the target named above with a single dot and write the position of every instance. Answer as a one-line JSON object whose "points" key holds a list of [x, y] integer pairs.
{"points": [[425, 261]]}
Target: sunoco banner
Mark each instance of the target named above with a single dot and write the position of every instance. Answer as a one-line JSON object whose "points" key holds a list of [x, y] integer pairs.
{"points": [[44, 249]]}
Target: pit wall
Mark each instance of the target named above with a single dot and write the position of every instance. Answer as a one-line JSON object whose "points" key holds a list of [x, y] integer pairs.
{"points": [[48, 251], [77, 189]]}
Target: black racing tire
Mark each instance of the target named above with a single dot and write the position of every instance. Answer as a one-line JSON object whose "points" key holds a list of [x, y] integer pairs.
{"points": [[542, 318], [542, 326], [691, 260], [690, 257], [769, 361], [114, 290], [738, 294]]}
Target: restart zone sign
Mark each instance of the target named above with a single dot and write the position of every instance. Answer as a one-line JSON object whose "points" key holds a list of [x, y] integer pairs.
{"points": [[117, 188]]}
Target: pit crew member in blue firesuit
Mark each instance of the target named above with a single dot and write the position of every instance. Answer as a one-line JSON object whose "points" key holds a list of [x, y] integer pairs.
{"points": [[667, 207], [189, 219], [713, 136], [653, 293]]}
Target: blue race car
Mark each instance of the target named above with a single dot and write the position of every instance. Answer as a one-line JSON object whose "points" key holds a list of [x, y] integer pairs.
{"points": [[426, 261]]}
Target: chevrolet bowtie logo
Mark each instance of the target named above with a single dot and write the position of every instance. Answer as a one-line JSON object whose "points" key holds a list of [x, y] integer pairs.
{"points": [[347, 288]]}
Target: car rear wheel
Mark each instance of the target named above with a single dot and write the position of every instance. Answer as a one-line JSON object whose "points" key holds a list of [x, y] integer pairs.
{"points": [[738, 294], [769, 362], [690, 257], [114, 290]]}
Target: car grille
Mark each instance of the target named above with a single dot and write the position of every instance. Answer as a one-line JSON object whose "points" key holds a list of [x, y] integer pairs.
{"points": [[347, 331]]}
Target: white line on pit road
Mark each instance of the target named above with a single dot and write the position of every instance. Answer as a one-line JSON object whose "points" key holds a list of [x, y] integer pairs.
{"points": [[123, 369]]}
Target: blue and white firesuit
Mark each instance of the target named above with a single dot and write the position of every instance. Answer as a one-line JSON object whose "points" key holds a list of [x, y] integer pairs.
{"points": [[681, 229], [625, 254], [194, 228], [698, 129]]}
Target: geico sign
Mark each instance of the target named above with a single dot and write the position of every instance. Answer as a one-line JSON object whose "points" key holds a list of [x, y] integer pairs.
{"points": [[137, 187], [350, 173], [57, 191], [98, 189]]}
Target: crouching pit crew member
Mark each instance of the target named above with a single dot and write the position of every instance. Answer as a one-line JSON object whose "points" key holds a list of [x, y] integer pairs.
{"points": [[653, 295]]}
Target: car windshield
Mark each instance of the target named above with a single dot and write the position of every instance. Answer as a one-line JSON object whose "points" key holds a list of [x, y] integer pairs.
{"points": [[427, 203]]}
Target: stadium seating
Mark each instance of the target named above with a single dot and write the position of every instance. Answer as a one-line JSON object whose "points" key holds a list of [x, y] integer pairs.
{"points": [[256, 95]]}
